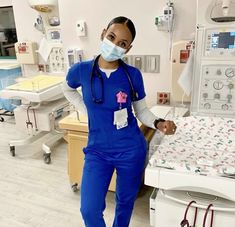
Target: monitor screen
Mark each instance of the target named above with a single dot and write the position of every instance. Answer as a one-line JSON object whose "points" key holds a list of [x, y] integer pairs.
{"points": [[224, 40]]}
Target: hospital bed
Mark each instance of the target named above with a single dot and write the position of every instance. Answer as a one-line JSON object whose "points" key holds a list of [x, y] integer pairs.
{"points": [[43, 104], [197, 163]]}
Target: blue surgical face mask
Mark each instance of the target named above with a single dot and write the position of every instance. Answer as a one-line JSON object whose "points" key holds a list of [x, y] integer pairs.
{"points": [[110, 52]]}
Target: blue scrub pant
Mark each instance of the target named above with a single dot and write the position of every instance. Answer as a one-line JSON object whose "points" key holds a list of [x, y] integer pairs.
{"points": [[97, 173]]}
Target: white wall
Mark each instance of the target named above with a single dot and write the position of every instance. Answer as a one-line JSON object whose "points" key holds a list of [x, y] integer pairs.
{"points": [[5, 3], [149, 40]]}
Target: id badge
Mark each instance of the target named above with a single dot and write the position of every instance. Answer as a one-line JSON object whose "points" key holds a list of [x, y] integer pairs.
{"points": [[120, 118]]}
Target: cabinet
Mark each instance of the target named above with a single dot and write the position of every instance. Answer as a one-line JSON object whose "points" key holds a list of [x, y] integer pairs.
{"points": [[77, 134]]}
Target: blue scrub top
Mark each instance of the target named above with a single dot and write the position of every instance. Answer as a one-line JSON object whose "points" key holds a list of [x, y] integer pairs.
{"points": [[103, 134]]}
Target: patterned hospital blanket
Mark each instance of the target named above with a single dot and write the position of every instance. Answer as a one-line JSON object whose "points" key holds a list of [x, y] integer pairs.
{"points": [[204, 145]]}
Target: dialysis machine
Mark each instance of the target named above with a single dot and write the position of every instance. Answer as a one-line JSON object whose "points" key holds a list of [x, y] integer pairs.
{"points": [[197, 163]]}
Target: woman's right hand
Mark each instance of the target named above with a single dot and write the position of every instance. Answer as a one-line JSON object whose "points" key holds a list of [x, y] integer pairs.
{"points": [[167, 127]]}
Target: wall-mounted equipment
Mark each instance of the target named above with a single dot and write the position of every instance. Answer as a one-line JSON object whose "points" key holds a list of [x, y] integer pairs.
{"points": [[44, 6], [145, 63], [221, 11], [163, 98], [74, 55], [81, 28], [180, 54], [53, 35], [26, 52], [165, 22], [54, 21], [48, 22], [56, 60]]}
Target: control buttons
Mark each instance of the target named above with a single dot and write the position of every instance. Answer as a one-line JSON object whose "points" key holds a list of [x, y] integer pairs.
{"points": [[205, 95], [206, 84], [217, 96], [230, 72], [229, 97], [230, 86], [218, 85], [207, 105], [218, 72], [224, 107]]}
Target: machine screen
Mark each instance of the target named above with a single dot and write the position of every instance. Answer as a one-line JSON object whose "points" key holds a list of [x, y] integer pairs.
{"points": [[225, 40]]}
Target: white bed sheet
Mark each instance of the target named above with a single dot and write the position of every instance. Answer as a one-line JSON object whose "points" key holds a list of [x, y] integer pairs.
{"points": [[204, 145]]}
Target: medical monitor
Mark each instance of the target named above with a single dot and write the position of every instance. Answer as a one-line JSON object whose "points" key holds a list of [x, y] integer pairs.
{"points": [[220, 43], [225, 40]]}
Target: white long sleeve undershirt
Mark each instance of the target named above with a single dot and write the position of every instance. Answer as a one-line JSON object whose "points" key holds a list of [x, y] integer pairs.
{"points": [[143, 114], [74, 97]]}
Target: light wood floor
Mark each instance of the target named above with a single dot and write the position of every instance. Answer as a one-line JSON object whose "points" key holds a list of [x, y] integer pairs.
{"points": [[34, 194]]}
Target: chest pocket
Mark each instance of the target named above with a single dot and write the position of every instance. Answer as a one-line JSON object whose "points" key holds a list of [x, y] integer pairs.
{"points": [[122, 89]]}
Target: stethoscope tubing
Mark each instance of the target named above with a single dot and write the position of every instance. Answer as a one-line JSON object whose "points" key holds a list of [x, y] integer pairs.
{"points": [[95, 72]]}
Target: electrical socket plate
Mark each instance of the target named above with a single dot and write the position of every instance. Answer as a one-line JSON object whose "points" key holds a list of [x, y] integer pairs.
{"points": [[163, 98]]}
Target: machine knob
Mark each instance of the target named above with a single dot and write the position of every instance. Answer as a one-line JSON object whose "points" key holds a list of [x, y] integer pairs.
{"points": [[207, 105], [230, 72], [206, 84], [218, 85], [205, 95], [230, 86], [224, 107], [229, 96], [217, 96], [218, 72]]}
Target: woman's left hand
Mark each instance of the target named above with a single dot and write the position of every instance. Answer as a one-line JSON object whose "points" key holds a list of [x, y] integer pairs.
{"points": [[167, 127]]}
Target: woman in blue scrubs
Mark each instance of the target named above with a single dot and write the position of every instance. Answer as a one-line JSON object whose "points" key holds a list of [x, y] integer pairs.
{"points": [[110, 88]]}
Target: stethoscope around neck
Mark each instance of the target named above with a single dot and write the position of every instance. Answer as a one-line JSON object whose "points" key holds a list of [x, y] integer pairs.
{"points": [[95, 73]]}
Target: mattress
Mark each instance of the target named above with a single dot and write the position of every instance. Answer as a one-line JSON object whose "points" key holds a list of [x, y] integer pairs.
{"points": [[203, 145], [37, 84]]}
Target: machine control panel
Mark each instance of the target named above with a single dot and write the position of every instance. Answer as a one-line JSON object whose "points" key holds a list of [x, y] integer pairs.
{"points": [[217, 92], [220, 43], [56, 60]]}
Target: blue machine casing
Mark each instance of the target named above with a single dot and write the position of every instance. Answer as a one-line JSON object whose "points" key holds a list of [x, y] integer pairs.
{"points": [[8, 77]]}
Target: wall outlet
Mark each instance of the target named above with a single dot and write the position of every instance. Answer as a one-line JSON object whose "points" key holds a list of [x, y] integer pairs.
{"points": [[163, 98], [41, 68]]}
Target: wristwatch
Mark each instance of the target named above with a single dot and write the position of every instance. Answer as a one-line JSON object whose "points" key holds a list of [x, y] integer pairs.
{"points": [[157, 121]]}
